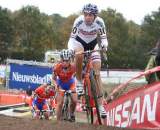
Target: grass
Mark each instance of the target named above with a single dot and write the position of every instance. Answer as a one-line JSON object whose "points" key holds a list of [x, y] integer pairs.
{"points": [[108, 88]]}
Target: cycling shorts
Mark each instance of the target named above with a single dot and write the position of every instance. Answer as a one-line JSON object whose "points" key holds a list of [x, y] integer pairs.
{"points": [[39, 105], [70, 85], [76, 45]]}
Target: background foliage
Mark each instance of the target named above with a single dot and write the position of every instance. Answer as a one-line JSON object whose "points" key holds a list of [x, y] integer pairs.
{"points": [[28, 33]]}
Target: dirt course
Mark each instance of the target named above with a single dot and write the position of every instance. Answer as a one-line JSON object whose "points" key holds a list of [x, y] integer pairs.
{"points": [[23, 123], [19, 123]]}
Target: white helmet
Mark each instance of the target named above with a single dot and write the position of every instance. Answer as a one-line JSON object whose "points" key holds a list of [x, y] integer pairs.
{"points": [[90, 8], [66, 54]]}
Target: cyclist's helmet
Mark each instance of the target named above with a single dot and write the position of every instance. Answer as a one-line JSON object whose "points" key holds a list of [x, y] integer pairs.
{"points": [[66, 54], [49, 85], [90, 8], [49, 82]]}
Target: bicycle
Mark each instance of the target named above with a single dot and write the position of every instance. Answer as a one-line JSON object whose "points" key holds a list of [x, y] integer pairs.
{"points": [[66, 105], [89, 84], [41, 114]]}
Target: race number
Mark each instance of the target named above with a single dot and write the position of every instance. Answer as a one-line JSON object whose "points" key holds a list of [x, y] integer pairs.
{"points": [[74, 30]]}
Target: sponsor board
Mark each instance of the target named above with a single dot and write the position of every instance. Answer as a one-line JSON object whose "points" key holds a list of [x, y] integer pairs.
{"points": [[139, 108], [2, 74], [23, 76]]}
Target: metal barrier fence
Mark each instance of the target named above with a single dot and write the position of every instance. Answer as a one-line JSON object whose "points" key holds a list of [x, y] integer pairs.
{"points": [[118, 77]]}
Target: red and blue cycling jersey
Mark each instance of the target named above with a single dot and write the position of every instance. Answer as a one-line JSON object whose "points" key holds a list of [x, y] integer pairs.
{"points": [[42, 95], [64, 76], [39, 101]]}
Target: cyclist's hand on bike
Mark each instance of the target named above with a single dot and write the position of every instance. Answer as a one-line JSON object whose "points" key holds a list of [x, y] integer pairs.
{"points": [[79, 89], [109, 99], [32, 110], [104, 54], [104, 48], [72, 53], [34, 95]]}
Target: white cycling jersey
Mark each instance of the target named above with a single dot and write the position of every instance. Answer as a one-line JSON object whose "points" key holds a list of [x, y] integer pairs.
{"points": [[87, 34]]}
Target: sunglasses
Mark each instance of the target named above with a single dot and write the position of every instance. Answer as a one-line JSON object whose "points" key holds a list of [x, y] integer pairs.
{"points": [[66, 60]]}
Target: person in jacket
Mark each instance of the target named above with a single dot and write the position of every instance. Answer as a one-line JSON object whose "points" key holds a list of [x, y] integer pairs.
{"points": [[153, 62]]}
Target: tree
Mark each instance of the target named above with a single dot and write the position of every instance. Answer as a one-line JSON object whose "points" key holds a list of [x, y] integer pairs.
{"points": [[150, 32], [117, 32], [6, 32], [33, 32], [151, 27], [66, 29], [57, 21]]}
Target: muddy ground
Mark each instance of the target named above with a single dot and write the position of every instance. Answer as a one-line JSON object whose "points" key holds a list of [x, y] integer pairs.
{"points": [[23, 123], [20, 123]]}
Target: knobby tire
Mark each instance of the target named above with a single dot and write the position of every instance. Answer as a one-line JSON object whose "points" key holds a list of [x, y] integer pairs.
{"points": [[94, 94], [65, 109], [89, 109]]}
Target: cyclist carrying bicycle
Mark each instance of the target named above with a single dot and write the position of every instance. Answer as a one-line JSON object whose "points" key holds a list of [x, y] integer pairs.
{"points": [[63, 75], [86, 29], [40, 103]]}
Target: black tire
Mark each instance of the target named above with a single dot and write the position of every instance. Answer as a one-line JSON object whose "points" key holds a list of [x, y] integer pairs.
{"points": [[89, 110], [41, 115], [65, 109], [94, 94]]}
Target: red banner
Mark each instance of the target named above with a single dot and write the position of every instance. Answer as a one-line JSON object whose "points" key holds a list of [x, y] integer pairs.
{"points": [[139, 108]]}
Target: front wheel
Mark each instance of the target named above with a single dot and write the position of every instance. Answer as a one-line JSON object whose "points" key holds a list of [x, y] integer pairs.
{"points": [[65, 109], [94, 94], [89, 109]]}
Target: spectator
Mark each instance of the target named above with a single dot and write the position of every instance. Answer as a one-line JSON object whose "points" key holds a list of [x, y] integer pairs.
{"points": [[153, 62], [29, 91]]}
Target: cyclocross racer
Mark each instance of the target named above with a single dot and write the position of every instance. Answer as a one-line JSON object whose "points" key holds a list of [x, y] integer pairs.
{"points": [[86, 29]]}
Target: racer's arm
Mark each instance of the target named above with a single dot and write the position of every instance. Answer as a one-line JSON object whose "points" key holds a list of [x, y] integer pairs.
{"points": [[74, 32], [55, 75], [74, 69], [39, 91], [34, 94], [102, 34], [150, 65]]}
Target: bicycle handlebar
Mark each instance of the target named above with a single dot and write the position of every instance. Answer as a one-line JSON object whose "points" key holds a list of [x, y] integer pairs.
{"points": [[67, 91], [88, 52], [43, 110]]}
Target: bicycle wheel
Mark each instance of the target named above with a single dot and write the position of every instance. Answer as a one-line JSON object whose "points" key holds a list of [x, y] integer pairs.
{"points": [[94, 94], [89, 110], [65, 109], [41, 114]]}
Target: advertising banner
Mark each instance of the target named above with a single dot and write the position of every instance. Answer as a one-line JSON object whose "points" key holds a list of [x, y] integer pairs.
{"points": [[2, 74], [23, 76], [139, 108]]}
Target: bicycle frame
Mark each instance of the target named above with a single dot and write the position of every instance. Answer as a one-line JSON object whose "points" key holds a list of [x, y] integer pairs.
{"points": [[41, 113], [66, 105], [90, 87], [86, 80]]}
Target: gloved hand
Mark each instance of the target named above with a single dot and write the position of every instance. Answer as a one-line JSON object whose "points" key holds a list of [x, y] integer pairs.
{"points": [[79, 90], [104, 48], [72, 53]]}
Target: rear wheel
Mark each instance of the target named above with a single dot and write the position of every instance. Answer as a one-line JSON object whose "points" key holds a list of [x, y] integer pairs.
{"points": [[94, 94]]}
